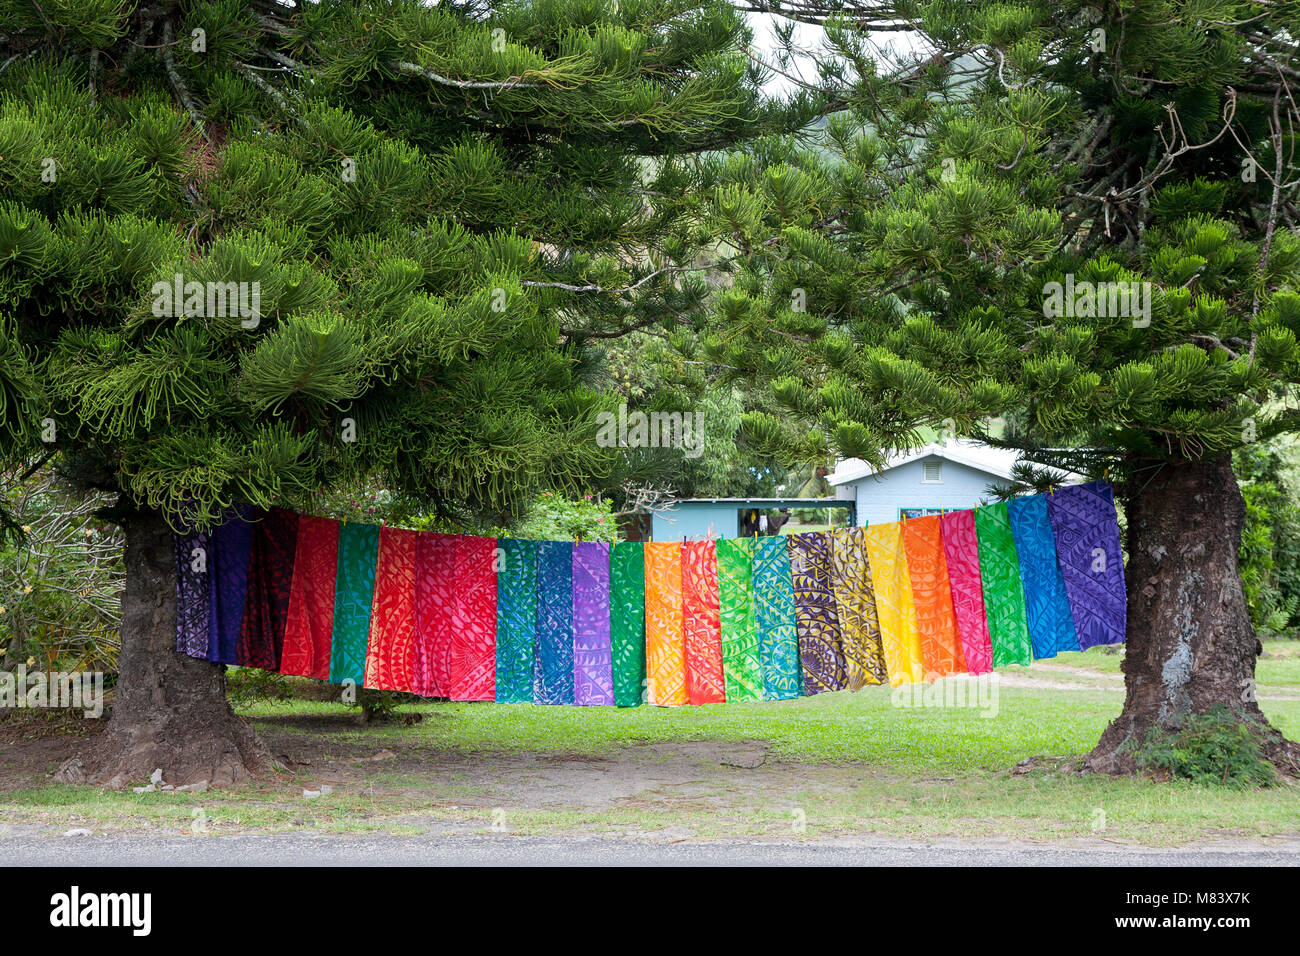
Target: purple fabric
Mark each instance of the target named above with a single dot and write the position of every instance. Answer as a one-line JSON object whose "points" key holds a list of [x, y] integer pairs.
{"points": [[232, 545], [192, 609], [1087, 548], [593, 661]]}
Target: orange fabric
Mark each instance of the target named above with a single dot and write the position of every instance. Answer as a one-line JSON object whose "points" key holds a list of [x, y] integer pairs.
{"points": [[665, 647], [932, 594]]}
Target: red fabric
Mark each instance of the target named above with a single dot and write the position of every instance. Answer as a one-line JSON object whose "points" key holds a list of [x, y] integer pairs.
{"points": [[310, 622], [435, 592], [390, 655], [473, 663], [703, 631]]}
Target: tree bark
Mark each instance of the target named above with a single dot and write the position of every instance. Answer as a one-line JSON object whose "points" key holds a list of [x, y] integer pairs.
{"points": [[1190, 641], [170, 711]]}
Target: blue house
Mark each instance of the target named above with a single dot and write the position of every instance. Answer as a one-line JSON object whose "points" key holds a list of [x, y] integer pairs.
{"points": [[927, 480]]}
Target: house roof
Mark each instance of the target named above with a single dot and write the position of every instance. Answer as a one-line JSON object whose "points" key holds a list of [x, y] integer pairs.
{"points": [[996, 462]]}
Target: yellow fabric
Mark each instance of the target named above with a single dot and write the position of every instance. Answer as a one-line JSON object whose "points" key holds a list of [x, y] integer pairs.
{"points": [[900, 636], [665, 643]]}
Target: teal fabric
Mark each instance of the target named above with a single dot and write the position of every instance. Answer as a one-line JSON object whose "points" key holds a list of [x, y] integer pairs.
{"points": [[774, 616], [354, 588], [516, 620]]}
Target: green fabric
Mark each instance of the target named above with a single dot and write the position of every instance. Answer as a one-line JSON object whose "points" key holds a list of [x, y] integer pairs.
{"points": [[627, 621], [516, 621], [354, 588], [1004, 596], [742, 657]]}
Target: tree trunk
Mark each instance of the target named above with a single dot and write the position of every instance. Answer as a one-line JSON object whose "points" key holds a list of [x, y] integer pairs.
{"points": [[170, 710], [1190, 641]]}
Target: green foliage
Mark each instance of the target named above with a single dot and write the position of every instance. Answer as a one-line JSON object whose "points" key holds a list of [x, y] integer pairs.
{"points": [[247, 685], [61, 578], [1270, 550], [1214, 749], [553, 517], [440, 207]]}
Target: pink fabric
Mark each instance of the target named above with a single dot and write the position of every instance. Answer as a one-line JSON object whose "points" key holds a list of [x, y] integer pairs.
{"points": [[473, 662], [962, 553], [435, 574]]}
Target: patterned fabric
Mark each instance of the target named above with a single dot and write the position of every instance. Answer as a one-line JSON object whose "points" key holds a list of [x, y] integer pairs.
{"points": [[821, 652], [354, 593], [742, 654], [932, 596], [553, 669], [232, 542], [472, 666], [516, 620], [1047, 609], [1087, 546], [593, 666], [700, 624], [270, 576], [961, 551], [435, 595], [775, 618], [193, 610], [665, 648], [900, 637], [1004, 597], [390, 654], [855, 608], [627, 621], [310, 621]]}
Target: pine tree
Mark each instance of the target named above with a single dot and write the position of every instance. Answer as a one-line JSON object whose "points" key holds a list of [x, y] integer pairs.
{"points": [[249, 249], [944, 257]]}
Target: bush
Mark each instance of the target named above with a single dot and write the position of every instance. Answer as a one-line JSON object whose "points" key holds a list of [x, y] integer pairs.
{"points": [[555, 518], [1215, 748], [244, 685]]}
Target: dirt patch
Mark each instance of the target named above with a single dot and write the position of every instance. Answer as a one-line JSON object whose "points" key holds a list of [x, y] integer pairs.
{"points": [[34, 743]]}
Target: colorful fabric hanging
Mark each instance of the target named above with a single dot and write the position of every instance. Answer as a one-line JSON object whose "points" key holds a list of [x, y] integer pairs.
{"points": [[932, 596], [1047, 609], [1004, 597], [354, 593], [473, 662], [232, 544], [516, 620], [899, 634], [774, 616], [390, 653], [742, 654], [193, 606], [1086, 529], [855, 609], [665, 645], [821, 653], [435, 600], [593, 665], [961, 551], [553, 670], [275, 543], [310, 623], [702, 634], [627, 621]]}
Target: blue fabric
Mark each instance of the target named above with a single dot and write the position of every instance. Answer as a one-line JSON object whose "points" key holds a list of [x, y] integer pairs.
{"points": [[553, 664], [232, 545], [1047, 607], [516, 620]]}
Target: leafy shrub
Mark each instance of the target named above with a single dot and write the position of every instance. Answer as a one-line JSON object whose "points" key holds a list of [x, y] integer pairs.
{"points": [[556, 518], [244, 685], [1214, 748]]}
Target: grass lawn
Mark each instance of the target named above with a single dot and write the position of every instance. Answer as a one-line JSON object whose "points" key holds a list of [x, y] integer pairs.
{"points": [[836, 766]]}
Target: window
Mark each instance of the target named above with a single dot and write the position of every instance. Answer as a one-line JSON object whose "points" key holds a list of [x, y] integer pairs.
{"points": [[933, 473]]}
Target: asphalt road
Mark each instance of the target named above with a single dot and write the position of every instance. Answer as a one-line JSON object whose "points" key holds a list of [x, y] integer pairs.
{"points": [[325, 850]]}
